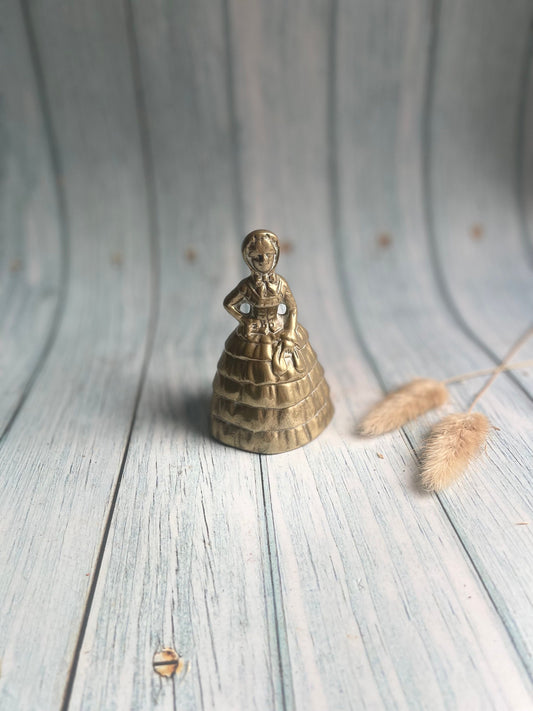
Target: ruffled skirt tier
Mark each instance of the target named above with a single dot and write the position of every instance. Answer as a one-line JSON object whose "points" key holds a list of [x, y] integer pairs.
{"points": [[257, 408]]}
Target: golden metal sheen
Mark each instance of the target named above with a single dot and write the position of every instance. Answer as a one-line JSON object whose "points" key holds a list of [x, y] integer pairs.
{"points": [[269, 392]]}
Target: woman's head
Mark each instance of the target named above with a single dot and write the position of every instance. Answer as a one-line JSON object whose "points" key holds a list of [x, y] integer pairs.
{"points": [[260, 250]]}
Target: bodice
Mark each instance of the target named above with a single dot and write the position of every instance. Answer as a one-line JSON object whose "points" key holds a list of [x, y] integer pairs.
{"points": [[265, 319]]}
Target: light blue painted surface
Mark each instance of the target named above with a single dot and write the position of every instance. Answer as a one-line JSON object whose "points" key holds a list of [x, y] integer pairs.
{"points": [[157, 135]]}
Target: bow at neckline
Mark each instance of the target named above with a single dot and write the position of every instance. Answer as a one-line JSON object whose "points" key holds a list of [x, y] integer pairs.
{"points": [[266, 283]]}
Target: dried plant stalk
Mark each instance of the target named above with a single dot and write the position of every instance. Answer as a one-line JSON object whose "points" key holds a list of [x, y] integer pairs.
{"points": [[451, 446], [404, 404], [488, 371]]}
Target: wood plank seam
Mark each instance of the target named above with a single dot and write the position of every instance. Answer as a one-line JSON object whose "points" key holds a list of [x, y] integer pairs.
{"points": [[153, 237], [521, 120], [56, 166], [443, 287], [238, 193], [274, 572], [270, 536], [440, 279], [438, 274], [284, 662]]}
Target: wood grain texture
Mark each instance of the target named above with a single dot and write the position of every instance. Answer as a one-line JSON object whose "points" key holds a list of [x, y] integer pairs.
{"points": [[320, 578], [524, 150], [61, 458], [476, 233], [496, 266], [187, 562], [424, 336], [310, 563], [33, 256]]}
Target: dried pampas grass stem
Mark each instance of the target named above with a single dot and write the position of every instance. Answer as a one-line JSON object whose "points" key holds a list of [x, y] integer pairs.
{"points": [[487, 371], [404, 404], [514, 348], [452, 444]]}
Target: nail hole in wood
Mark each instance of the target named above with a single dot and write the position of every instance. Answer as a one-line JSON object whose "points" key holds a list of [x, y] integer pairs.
{"points": [[477, 231], [384, 240], [286, 247]]}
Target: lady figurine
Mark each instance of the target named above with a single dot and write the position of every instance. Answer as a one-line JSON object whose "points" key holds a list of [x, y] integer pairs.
{"points": [[269, 393]]}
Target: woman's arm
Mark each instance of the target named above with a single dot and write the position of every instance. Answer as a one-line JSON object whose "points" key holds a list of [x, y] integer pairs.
{"points": [[292, 315], [233, 300]]}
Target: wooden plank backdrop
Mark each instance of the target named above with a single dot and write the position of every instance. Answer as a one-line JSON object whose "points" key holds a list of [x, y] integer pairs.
{"points": [[390, 145]]}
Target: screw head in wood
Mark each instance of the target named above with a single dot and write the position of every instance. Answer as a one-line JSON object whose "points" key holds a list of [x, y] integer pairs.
{"points": [[167, 662]]}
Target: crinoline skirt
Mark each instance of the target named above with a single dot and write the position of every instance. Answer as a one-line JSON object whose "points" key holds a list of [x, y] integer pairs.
{"points": [[265, 402]]}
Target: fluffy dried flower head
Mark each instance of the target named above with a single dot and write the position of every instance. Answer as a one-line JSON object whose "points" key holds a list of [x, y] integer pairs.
{"points": [[404, 404], [452, 444]]}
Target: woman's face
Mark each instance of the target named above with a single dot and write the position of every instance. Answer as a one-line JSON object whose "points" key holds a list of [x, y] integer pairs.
{"points": [[263, 258]]}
